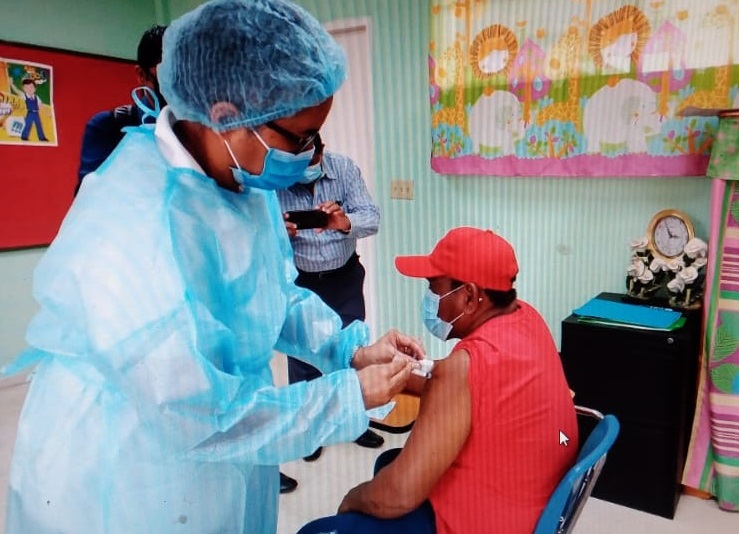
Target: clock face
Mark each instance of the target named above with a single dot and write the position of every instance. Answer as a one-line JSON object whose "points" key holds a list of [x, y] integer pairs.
{"points": [[670, 236]]}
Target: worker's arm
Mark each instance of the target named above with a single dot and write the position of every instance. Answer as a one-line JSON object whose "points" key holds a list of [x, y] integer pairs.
{"points": [[438, 436]]}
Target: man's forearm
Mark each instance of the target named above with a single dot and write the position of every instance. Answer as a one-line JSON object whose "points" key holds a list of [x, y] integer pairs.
{"points": [[378, 501]]}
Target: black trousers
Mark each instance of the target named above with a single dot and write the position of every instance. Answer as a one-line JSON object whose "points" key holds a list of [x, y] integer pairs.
{"points": [[343, 291]]}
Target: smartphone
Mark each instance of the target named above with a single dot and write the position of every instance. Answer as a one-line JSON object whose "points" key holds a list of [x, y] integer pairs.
{"points": [[308, 218]]}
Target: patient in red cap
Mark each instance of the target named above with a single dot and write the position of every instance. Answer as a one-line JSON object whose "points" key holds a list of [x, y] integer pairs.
{"points": [[484, 454]]}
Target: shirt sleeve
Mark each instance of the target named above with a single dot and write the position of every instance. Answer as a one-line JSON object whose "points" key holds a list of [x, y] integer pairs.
{"points": [[190, 399], [102, 134], [312, 330], [177, 328], [304, 334], [358, 204]]}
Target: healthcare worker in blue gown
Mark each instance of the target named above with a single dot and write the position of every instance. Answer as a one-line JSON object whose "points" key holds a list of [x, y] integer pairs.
{"points": [[152, 408]]}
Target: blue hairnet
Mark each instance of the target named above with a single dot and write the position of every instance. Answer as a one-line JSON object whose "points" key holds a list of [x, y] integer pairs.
{"points": [[240, 63]]}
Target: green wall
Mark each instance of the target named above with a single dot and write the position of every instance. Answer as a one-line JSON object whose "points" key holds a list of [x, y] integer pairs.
{"points": [[571, 235], [107, 27]]}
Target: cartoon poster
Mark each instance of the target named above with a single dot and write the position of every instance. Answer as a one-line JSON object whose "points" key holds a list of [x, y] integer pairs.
{"points": [[579, 87], [26, 104]]}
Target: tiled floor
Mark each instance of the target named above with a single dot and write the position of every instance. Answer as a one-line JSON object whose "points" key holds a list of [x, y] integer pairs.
{"points": [[324, 482], [12, 392]]}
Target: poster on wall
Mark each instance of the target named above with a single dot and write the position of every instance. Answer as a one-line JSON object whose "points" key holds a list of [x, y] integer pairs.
{"points": [[26, 103], [46, 97], [579, 87]]}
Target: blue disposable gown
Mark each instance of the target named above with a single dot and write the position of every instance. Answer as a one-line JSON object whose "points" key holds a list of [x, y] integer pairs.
{"points": [[153, 408]]}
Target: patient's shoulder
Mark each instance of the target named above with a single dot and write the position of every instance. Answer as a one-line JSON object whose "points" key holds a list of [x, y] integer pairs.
{"points": [[454, 367]]}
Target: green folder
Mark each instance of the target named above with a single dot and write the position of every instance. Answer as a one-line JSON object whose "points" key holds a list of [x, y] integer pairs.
{"points": [[635, 315]]}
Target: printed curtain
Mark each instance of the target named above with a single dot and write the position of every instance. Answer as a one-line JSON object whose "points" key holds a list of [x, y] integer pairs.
{"points": [[713, 457], [579, 87]]}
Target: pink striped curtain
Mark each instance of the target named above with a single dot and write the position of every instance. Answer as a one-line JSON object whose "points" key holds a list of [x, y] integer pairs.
{"points": [[713, 458]]}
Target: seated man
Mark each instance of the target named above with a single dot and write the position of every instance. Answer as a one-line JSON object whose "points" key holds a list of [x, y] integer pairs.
{"points": [[484, 454]]}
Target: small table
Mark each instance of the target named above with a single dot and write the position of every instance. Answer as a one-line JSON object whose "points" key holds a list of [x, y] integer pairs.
{"points": [[402, 416]]}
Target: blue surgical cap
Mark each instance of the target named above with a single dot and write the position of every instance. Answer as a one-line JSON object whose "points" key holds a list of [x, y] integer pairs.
{"points": [[240, 63]]}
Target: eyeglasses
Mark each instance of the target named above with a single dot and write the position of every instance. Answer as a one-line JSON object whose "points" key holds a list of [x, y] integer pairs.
{"points": [[301, 142]]}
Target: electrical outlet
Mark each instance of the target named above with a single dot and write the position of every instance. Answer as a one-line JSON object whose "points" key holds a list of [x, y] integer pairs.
{"points": [[401, 189]]}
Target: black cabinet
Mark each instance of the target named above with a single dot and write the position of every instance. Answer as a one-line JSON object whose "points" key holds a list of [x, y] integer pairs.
{"points": [[648, 380]]}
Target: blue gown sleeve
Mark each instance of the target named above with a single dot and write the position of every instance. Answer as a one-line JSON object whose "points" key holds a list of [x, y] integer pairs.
{"points": [[172, 295]]}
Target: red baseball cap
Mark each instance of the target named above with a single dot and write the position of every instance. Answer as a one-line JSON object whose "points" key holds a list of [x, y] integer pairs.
{"points": [[466, 254]]}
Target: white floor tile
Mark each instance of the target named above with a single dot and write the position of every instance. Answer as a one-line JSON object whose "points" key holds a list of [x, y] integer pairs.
{"points": [[12, 393], [323, 483]]}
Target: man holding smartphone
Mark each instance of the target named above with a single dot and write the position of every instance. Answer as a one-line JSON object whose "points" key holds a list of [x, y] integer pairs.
{"points": [[325, 244]]}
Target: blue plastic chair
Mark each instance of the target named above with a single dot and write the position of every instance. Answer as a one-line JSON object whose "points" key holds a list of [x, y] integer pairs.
{"points": [[564, 506]]}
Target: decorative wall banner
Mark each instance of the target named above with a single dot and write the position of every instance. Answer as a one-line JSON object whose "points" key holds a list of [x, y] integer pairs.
{"points": [[579, 87], [26, 103]]}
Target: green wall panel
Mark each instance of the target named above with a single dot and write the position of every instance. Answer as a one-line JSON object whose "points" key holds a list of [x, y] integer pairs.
{"points": [[571, 234], [107, 27]]}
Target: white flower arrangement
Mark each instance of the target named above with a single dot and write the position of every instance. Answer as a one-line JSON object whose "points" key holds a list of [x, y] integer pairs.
{"points": [[682, 277]]}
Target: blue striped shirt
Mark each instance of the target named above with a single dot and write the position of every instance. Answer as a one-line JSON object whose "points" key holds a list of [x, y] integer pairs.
{"points": [[330, 249]]}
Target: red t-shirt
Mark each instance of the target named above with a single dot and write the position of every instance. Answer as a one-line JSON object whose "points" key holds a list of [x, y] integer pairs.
{"points": [[512, 459]]}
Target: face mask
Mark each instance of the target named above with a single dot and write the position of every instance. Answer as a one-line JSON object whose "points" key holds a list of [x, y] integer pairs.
{"points": [[147, 111], [281, 169], [312, 173], [430, 313]]}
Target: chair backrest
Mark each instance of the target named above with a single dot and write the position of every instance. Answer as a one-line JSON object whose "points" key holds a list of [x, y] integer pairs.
{"points": [[568, 500]]}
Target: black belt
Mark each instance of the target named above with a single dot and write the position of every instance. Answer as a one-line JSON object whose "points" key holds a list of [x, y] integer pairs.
{"points": [[350, 263]]}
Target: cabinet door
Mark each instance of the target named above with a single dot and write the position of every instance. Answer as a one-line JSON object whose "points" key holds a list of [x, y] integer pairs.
{"points": [[642, 470], [627, 373], [647, 380]]}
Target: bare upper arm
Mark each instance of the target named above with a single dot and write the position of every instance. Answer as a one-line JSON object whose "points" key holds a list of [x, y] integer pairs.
{"points": [[415, 385], [438, 435]]}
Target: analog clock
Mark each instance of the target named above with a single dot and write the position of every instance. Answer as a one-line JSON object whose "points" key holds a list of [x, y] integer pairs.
{"points": [[668, 233]]}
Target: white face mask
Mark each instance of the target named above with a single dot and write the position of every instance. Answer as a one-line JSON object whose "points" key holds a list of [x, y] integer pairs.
{"points": [[430, 314]]}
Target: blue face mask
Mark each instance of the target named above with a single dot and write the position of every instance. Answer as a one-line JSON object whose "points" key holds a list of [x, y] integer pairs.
{"points": [[147, 112], [312, 173], [281, 169], [430, 314]]}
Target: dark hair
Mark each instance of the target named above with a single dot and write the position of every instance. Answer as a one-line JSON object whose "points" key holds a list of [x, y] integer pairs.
{"points": [[149, 53], [318, 143], [500, 299], [27, 81]]}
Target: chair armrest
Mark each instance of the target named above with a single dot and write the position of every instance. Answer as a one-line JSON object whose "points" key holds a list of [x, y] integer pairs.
{"points": [[590, 412]]}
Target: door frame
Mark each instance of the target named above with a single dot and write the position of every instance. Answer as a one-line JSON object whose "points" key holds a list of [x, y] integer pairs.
{"points": [[366, 247]]}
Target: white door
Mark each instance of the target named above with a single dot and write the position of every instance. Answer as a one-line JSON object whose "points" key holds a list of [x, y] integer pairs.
{"points": [[349, 130]]}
